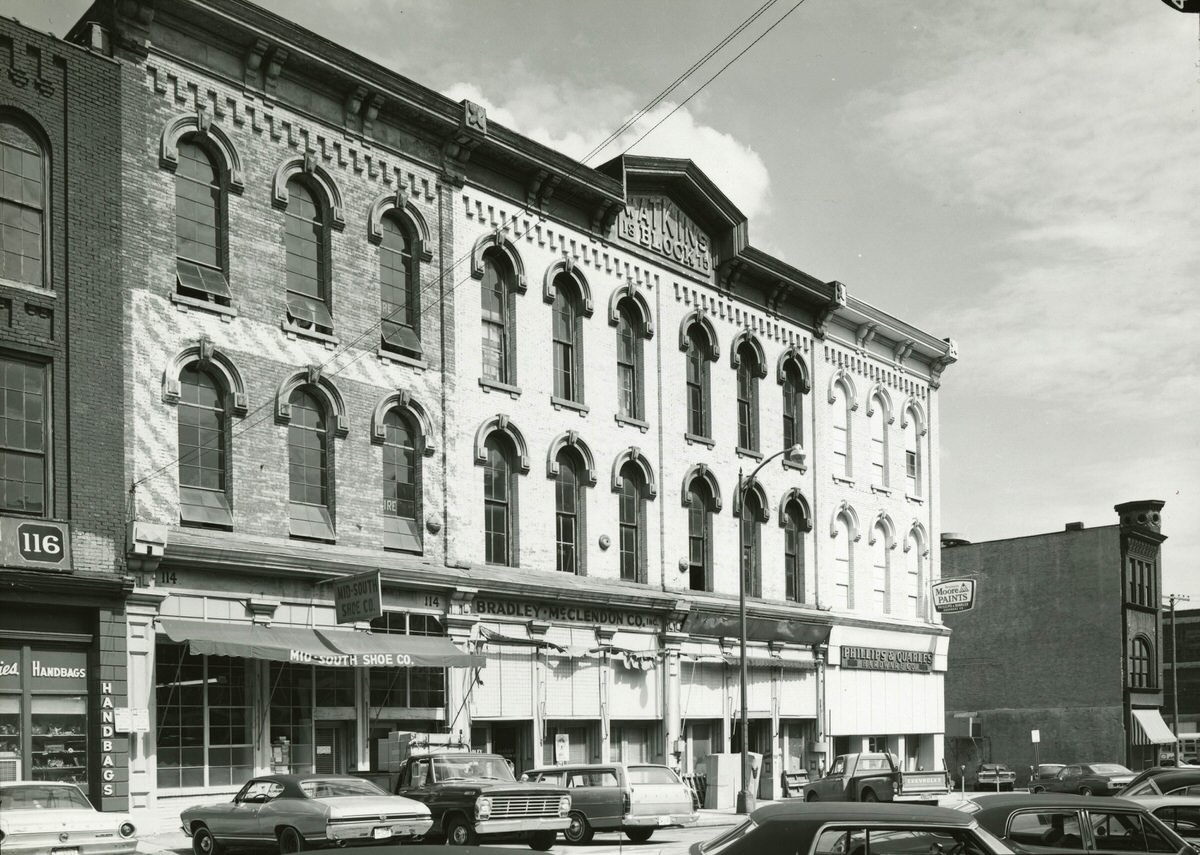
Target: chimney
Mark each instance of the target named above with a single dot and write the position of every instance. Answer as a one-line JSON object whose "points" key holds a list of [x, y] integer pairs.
{"points": [[1073, 526]]}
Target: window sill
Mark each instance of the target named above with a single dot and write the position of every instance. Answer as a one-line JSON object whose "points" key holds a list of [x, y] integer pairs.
{"points": [[696, 439], [293, 330], [792, 464], [385, 355], [916, 500], [497, 386], [748, 452], [565, 404], [31, 289], [183, 303], [626, 421], [875, 488], [840, 479]]}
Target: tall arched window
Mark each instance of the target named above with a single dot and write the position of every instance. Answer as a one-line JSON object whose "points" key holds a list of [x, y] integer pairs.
{"points": [[566, 333], [306, 239], [499, 502], [630, 368], [698, 357], [23, 204], [399, 296], [199, 227], [700, 512], [747, 397], [203, 489], [633, 524], [751, 540], [913, 464], [793, 406], [1141, 662], [309, 480], [914, 574], [402, 455], [881, 594], [793, 552], [842, 461], [879, 446], [496, 306], [843, 563], [568, 516]]}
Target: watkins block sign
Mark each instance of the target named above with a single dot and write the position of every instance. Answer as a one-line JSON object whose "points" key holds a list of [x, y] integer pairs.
{"points": [[954, 595]]}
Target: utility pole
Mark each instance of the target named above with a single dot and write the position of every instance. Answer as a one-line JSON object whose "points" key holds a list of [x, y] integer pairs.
{"points": [[1173, 599]]}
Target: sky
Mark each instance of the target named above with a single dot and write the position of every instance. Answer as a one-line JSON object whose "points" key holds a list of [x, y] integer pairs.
{"points": [[1023, 177]]}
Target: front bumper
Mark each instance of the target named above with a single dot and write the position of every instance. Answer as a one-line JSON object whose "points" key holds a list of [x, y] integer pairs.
{"points": [[931, 798], [351, 832], [672, 820], [516, 826]]}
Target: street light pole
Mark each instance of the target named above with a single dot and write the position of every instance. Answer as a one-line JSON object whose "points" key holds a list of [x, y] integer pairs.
{"points": [[745, 798], [1174, 598]]}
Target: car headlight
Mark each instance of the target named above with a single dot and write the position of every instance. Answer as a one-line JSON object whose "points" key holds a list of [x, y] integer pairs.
{"points": [[483, 807], [127, 829], [564, 806]]}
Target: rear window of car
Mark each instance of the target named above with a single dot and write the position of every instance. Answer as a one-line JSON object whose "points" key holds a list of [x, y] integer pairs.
{"points": [[43, 798], [327, 789], [652, 775], [1110, 769]]}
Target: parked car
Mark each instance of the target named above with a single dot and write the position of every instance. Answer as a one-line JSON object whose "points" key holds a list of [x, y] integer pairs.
{"points": [[875, 777], [1182, 813], [993, 777], [1042, 773], [298, 812], [47, 816], [1089, 779], [1064, 821], [1164, 781], [848, 828], [636, 798]]}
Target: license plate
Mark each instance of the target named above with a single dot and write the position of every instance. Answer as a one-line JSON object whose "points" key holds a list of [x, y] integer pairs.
{"points": [[664, 820], [382, 833], [70, 850]]}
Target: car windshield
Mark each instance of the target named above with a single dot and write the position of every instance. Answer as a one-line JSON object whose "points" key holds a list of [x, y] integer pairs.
{"points": [[1110, 769], [1050, 768], [994, 767], [471, 767], [651, 775], [330, 788], [42, 797]]}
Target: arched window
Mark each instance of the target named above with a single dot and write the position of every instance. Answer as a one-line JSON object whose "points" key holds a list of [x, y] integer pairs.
{"points": [[879, 446], [306, 239], [751, 541], [747, 397], [913, 464], [199, 227], [1141, 661], [842, 460], [497, 306], [566, 334], [698, 358], [23, 204], [914, 574], [843, 563], [309, 468], [700, 512], [399, 295], [793, 552], [203, 462], [568, 516], [880, 572], [402, 455], [630, 367], [793, 406], [499, 502], [633, 524]]}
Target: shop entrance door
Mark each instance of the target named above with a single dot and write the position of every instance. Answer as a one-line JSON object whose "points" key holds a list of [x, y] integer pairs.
{"points": [[330, 748]]}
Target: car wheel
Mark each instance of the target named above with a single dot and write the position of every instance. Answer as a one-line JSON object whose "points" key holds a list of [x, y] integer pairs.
{"points": [[810, 797], [869, 796], [290, 840], [1085, 791], [542, 841], [579, 831], [203, 843], [639, 835], [460, 833]]}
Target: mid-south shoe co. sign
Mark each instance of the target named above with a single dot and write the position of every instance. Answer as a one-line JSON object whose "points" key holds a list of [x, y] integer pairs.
{"points": [[35, 544]]}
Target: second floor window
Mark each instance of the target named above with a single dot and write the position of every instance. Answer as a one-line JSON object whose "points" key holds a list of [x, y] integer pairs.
{"points": [[793, 406], [308, 468], [881, 599], [566, 334], [793, 552], [305, 239], [912, 456], [697, 383], [632, 524], [747, 399], [841, 432], [24, 428], [203, 494], [499, 503], [843, 564], [630, 397], [751, 523], [914, 574], [700, 513], [401, 483], [568, 516], [398, 292], [22, 207], [496, 309], [199, 265], [879, 447]]}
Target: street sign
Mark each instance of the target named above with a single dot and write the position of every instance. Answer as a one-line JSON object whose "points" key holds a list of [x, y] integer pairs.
{"points": [[954, 595], [358, 597], [1035, 736]]}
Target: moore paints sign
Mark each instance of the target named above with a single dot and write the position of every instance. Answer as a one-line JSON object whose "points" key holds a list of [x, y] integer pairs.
{"points": [[954, 595]]}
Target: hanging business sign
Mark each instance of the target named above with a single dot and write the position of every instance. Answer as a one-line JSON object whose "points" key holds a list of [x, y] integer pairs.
{"points": [[954, 595], [358, 597]]}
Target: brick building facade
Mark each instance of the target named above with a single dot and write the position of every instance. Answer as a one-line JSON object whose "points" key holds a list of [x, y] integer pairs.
{"points": [[1087, 679], [1181, 668], [366, 330]]}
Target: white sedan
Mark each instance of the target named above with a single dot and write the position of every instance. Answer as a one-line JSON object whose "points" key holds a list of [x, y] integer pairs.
{"points": [[54, 818]]}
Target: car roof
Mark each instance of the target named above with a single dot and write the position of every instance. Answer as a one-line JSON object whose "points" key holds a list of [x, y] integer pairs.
{"points": [[39, 784], [858, 812], [1013, 801], [576, 767]]}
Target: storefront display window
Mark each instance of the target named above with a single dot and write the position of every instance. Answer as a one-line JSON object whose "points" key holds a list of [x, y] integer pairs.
{"points": [[10, 737], [58, 729], [291, 717]]}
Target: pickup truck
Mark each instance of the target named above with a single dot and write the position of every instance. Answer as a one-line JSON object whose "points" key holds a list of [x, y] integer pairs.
{"points": [[875, 778], [472, 796], [994, 776]]}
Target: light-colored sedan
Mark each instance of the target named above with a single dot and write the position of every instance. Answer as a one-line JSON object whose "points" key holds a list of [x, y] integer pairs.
{"points": [[52, 818], [298, 812], [1181, 813]]}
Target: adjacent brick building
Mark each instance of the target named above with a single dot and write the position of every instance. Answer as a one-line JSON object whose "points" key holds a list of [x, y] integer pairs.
{"points": [[1181, 656], [1065, 639]]}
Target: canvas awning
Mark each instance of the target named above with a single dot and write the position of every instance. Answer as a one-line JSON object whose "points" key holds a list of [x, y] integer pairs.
{"points": [[1150, 729], [329, 647]]}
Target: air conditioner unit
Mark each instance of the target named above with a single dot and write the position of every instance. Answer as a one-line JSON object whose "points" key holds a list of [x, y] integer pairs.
{"points": [[10, 769]]}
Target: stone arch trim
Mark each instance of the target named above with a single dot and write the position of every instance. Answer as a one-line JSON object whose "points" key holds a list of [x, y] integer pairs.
{"points": [[842, 377], [879, 392], [211, 135], [917, 530], [571, 439], [307, 165], [566, 267], [208, 356], [845, 509], [501, 423], [793, 356], [496, 241], [326, 390], [705, 474], [696, 317], [914, 407], [634, 455], [638, 300], [410, 214], [794, 495], [755, 486], [760, 357], [883, 521], [402, 400]]}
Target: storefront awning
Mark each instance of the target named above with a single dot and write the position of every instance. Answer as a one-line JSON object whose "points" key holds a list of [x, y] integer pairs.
{"points": [[1150, 729], [335, 648]]}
